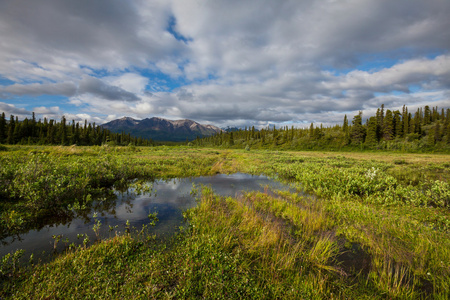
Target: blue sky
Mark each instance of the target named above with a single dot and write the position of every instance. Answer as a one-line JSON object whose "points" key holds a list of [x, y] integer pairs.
{"points": [[223, 62]]}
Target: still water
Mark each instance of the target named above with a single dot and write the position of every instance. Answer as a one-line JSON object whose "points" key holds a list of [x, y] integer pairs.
{"points": [[168, 198]]}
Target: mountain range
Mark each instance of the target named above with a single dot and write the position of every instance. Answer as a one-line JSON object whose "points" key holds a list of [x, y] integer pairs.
{"points": [[159, 129]]}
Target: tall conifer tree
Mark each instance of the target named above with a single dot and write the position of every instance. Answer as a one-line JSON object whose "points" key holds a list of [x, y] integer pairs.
{"points": [[372, 134], [388, 126], [357, 132], [3, 132]]}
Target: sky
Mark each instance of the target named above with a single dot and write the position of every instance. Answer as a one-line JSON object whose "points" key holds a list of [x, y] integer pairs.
{"points": [[222, 62]]}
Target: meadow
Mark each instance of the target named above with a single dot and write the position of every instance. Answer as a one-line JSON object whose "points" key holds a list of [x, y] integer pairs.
{"points": [[355, 225]]}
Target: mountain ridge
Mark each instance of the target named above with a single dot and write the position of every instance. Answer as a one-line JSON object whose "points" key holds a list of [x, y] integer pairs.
{"points": [[160, 129]]}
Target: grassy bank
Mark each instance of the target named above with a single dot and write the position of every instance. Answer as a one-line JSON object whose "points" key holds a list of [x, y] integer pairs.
{"points": [[375, 226]]}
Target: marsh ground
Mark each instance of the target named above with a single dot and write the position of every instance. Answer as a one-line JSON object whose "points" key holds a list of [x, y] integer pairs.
{"points": [[361, 225]]}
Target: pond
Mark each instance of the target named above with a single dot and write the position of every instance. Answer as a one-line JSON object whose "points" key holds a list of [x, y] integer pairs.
{"points": [[168, 198]]}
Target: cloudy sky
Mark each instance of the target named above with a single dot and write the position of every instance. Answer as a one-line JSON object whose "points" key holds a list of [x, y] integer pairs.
{"points": [[222, 62]]}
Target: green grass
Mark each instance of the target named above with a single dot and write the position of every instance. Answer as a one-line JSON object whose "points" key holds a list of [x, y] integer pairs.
{"points": [[375, 226]]}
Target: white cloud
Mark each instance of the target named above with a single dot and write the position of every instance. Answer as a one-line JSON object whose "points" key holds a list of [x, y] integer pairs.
{"points": [[169, 68], [131, 82], [10, 109], [397, 77], [54, 110], [143, 108], [254, 62]]}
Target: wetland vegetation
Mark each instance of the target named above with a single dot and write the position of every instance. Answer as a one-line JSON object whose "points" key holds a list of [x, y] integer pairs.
{"points": [[353, 225]]}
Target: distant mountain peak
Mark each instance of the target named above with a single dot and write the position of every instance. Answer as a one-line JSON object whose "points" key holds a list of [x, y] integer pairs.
{"points": [[161, 129], [127, 119]]}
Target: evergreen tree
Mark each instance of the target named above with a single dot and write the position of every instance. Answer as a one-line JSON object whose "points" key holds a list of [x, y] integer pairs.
{"points": [[3, 132], [231, 139], [445, 128], [380, 115], [43, 133], [17, 133], [417, 128], [405, 121], [76, 135], [448, 133], [437, 132], [430, 137], [388, 126], [345, 125], [63, 131], [33, 125], [11, 125], [51, 133], [397, 124], [372, 134], [357, 132], [318, 133], [275, 136], [427, 116], [26, 131], [435, 114]]}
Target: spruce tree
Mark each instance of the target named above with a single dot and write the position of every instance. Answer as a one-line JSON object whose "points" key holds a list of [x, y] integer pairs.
{"points": [[427, 115], [3, 132], [448, 133], [51, 133], [397, 124], [388, 126], [437, 132], [63, 131], [345, 125], [405, 121], [430, 137], [33, 125], [380, 116], [417, 128], [435, 114], [231, 139], [357, 132], [372, 134], [11, 125], [318, 133], [17, 133]]}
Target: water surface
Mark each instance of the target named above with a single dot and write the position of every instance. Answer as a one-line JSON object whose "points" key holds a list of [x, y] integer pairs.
{"points": [[168, 198]]}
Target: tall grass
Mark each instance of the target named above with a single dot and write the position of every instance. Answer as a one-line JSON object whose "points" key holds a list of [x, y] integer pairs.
{"points": [[376, 227]]}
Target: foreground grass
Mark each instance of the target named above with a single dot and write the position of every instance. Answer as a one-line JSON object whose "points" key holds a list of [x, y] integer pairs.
{"points": [[378, 227], [260, 246]]}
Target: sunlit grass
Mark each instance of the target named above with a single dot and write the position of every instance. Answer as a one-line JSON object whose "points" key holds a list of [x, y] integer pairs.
{"points": [[387, 211]]}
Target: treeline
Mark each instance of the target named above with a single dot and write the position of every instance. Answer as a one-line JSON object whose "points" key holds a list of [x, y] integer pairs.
{"points": [[426, 129], [51, 132]]}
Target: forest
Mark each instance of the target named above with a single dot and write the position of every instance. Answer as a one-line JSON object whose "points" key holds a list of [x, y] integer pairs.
{"points": [[428, 129], [51, 132]]}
